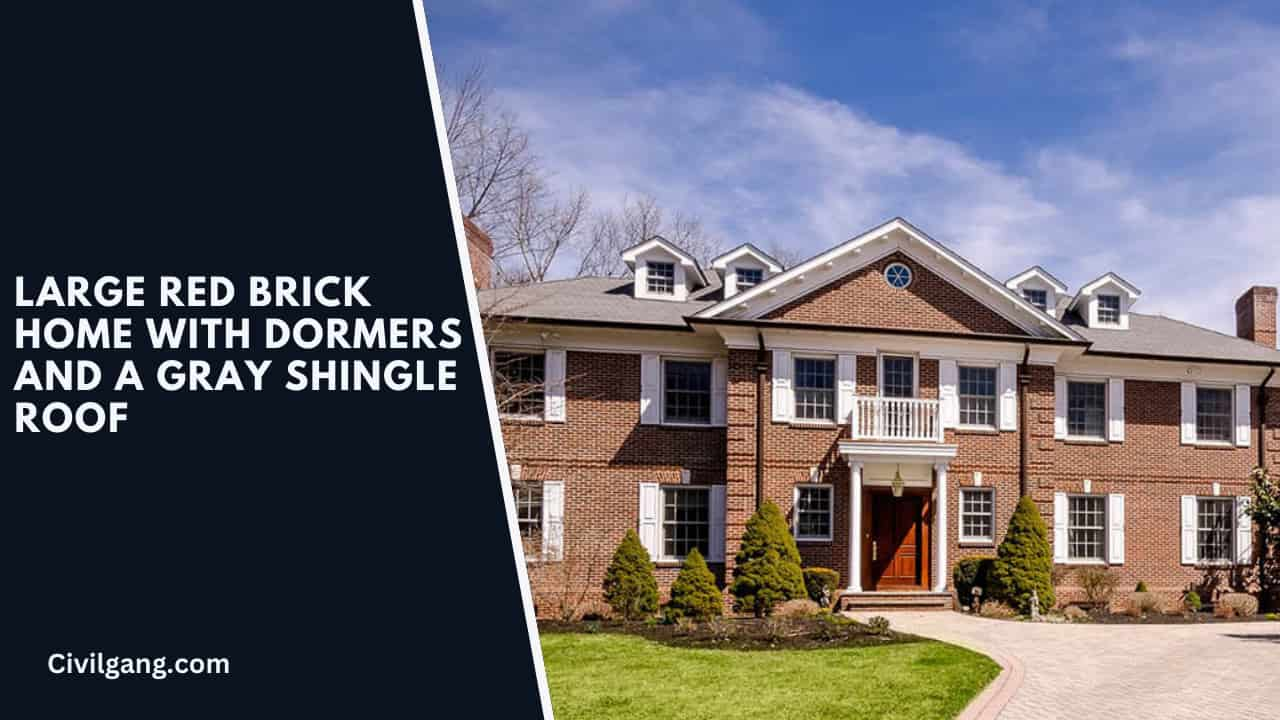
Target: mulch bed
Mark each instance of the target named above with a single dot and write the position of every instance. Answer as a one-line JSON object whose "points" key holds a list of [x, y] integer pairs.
{"points": [[1103, 617], [745, 633]]}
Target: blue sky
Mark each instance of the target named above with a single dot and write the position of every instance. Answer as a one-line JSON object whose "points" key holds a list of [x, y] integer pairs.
{"points": [[1085, 137]]}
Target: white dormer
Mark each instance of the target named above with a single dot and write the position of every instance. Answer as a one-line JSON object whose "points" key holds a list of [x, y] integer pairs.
{"points": [[1039, 288], [1105, 302], [662, 270], [744, 267]]}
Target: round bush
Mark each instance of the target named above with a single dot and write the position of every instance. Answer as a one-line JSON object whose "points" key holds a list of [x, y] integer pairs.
{"points": [[822, 584], [694, 593]]}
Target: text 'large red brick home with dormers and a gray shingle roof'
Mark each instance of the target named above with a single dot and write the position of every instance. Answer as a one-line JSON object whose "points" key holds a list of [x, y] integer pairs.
{"points": [[894, 400]]}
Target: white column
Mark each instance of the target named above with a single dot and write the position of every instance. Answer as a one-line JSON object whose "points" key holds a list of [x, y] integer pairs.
{"points": [[855, 527], [940, 528]]}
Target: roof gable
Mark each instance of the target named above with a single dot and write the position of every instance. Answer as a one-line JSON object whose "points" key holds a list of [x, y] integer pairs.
{"points": [[657, 242], [747, 250]]}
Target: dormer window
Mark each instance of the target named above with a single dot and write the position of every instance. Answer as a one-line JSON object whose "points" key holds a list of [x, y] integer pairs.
{"points": [[749, 278], [1039, 298], [1109, 309], [660, 278]]}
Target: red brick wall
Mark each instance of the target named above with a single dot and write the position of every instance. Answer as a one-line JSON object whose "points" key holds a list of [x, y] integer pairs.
{"points": [[864, 299], [480, 252]]}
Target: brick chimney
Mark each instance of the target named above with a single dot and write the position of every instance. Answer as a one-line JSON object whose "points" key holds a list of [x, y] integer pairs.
{"points": [[1256, 315], [480, 250]]}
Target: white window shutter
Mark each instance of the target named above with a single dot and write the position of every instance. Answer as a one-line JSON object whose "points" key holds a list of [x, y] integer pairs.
{"points": [[650, 502], [553, 406], [782, 394], [1059, 408], [1115, 524], [1244, 415], [719, 391], [846, 386], [1115, 410], [553, 520], [1244, 531], [716, 546], [650, 389], [1188, 413], [1008, 396], [949, 392], [1188, 529], [1060, 527]]}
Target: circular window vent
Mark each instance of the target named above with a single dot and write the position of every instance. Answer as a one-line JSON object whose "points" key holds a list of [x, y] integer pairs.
{"points": [[897, 275]]}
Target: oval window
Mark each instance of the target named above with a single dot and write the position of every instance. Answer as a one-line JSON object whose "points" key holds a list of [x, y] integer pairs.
{"points": [[897, 275]]}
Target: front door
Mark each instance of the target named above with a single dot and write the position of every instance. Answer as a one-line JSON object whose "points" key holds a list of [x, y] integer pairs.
{"points": [[897, 542]]}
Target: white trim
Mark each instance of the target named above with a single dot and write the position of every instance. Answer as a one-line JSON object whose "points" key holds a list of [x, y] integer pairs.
{"points": [[662, 536], [554, 366], [855, 527], [1115, 409], [1243, 401], [1243, 527], [1007, 378], [949, 390], [1106, 520], [1115, 529], [746, 250], [715, 542], [896, 452], [1061, 508], [662, 391], [831, 512], [940, 533], [835, 389], [973, 539], [846, 388], [650, 389], [783, 399], [1190, 527], [552, 520], [1106, 409], [1035, 271], [486, 375], [649, 513], [915, 371]]}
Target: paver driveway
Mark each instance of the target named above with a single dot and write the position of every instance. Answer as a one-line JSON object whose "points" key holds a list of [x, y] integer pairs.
{"points": [[1121, 671]]}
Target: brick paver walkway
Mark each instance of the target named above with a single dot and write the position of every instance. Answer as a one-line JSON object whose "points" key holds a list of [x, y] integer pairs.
{"points": [[1121, 671]]}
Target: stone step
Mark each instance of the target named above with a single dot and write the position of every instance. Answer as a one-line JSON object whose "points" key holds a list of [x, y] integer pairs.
{"points": [[895, 601]]}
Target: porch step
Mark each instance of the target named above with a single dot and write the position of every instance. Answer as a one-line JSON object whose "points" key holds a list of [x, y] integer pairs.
{"points": [[868, 601]]}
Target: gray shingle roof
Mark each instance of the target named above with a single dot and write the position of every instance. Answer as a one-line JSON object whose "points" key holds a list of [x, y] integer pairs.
{"points": [[1158, 335]]}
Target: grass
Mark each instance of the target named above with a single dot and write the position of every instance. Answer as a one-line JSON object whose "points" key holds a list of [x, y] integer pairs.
{"points": [[609, 676]]}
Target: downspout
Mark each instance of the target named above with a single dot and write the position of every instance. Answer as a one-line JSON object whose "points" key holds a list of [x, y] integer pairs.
{"points": [[1024, 383], [1262, 419], [762, 367]]}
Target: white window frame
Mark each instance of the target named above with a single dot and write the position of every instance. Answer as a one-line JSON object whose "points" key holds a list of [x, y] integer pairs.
{"points": [[911, 275], [1105, 528], [662, 520], [974, 540], [915, 372], [995, 420], [1106, 409], [662, 389], [1040, 291], [831, 512], [648, 278], [737, 277], [516, 488], [493, 360], [835, 390], [1230, 560], [1231, 415], [1119, 309]]}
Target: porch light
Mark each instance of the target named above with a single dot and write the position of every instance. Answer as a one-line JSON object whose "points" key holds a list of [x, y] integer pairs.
{"points": [[897, 482]]}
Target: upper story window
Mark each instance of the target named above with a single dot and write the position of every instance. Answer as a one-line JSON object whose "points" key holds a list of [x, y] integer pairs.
{"points": [[748, 278], [660, 278], [1086, 409], [1215, 526], [815, 388], [1214, 415], [1039, 298], [978, 515], [519, 378], [813, 512], [1086, 527], [686, 391], [898, 376], [686, 521], [897, 275], [1109, 309], [978, 396]]}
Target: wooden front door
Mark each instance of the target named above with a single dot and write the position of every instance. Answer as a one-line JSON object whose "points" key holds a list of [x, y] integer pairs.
{"points": [[898, 541]]}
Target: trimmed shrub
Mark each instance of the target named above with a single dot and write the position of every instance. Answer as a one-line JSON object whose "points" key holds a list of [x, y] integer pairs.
{"points": [[629, 585], [797, 608], [1075, 613], [1142, 587], [877, 625], [1231, 605], [1142, 603], [694, 593], [768, 564], [1193, 602], [1024, 561], [997, 609], [821, 584], [1098, 584], [969, 573]]}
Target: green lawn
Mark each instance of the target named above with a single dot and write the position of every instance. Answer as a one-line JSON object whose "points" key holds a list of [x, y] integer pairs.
{"points": [[604, 676]]}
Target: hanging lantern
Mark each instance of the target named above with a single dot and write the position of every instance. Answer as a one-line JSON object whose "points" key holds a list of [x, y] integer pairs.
{"points": [[897, 482]]}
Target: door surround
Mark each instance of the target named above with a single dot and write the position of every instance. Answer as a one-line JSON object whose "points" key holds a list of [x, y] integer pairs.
{"points": [[924, 555]]}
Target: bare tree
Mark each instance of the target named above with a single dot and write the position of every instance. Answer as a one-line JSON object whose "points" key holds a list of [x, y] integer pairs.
{"points": [[786, 255], [637, 220], [534, 230]]}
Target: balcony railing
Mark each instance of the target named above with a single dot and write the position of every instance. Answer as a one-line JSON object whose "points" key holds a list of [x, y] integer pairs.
{"points": [[897, 419]]}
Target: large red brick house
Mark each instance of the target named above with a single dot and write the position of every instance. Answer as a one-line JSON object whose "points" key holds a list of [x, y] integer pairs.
{"points": [[894, 400]]}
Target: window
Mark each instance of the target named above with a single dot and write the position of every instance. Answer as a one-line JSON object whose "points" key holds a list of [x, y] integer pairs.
{"points": [[1086, 409], [687, 391], [529, 516], [978, 396], [1039, 298], [1109, 309], [660, 278], [813, 512], [749, 277], [1215, 524], [978, 515], [898, 376], [1214, 415], [897, 275], [815, 388], [518, 378], [686, 521], [1086, 527]]}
